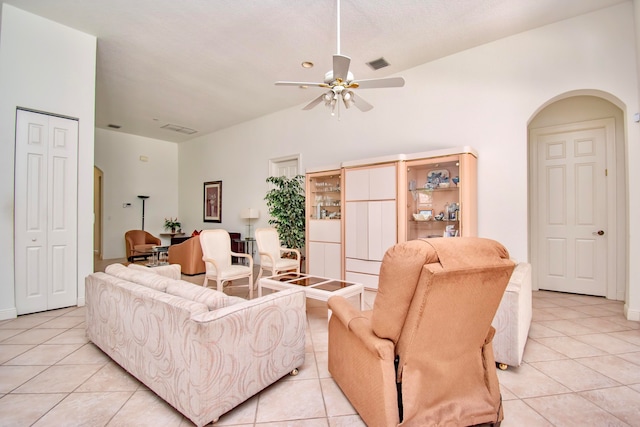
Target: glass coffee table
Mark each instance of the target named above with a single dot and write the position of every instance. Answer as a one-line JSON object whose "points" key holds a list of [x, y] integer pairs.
{"points": [[157, 255], [315, 287]]}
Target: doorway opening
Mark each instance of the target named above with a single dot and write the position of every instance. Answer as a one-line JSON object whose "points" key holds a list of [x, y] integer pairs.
{"points": [[288, 166], [577, 196]]}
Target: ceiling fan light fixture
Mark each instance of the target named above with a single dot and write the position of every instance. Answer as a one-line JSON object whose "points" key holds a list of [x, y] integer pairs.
{"points": [[328, 97], [340, 81], [347, 98]]}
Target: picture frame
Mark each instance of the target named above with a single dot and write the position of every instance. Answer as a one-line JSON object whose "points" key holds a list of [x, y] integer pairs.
{"points": [[212, 201], [426, 212]]}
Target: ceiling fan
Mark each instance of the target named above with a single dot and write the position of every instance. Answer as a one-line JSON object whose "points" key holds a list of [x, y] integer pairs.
{"points": [[340, 82]]}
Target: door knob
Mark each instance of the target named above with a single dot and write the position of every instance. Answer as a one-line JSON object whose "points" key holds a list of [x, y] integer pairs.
{"points": [[34, 239], [599, 233]]}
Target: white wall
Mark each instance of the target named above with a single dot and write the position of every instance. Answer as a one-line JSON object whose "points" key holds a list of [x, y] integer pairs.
{"points": [[51, 68], [483, 97], [126, 176]]}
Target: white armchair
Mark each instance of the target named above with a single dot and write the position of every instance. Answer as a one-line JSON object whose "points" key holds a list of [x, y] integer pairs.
{"points": [[216, 254], [271, 252]]}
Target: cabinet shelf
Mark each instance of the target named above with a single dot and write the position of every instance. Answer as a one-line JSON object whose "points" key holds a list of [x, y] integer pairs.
{"points": [[432, 190], [434, 221]]}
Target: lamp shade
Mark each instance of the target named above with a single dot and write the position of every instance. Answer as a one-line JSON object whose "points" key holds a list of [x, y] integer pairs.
{"points": [[250, 213]]}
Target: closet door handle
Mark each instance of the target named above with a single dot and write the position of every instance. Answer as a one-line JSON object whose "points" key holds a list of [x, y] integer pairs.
{"points": [[598, 233]]}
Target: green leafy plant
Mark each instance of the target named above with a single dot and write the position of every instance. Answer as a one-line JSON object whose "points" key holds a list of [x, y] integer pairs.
{"points": [[171, 224], [286, 208]]}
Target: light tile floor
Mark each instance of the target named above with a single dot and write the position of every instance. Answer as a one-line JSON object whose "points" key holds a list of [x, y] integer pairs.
{"points": [[582, 368]]}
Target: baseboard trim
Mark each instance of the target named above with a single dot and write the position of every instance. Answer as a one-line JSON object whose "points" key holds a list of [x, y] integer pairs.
{"points": [[631, 314], [10, 313]]}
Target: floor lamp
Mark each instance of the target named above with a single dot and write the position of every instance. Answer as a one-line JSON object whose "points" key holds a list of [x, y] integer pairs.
{"points": [[250, 214], [143, 199]]}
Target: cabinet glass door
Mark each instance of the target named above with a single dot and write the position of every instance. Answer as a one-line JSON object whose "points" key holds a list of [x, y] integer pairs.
{"points": [[325, 200], [433, 199]]}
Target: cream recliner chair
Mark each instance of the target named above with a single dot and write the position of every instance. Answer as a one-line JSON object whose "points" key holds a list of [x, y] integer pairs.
{"points": [[216, 254], [423, 356], [271, 252]]}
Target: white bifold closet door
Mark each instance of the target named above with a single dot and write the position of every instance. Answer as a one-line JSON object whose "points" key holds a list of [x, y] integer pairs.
{"points": [[46, 206]]}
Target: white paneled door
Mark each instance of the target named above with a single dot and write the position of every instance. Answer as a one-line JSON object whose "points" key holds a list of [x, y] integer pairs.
{"points": [[287, 167], [571, 211], [46, 200]]}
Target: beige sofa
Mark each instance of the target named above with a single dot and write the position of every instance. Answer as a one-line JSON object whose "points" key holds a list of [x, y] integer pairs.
{"points": [[198, 349]]}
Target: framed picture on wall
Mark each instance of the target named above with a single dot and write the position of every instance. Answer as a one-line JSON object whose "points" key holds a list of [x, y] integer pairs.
{"points": [[213, 201]]}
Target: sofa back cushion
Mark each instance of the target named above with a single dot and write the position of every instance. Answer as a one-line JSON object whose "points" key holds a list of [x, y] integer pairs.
{"points": [[171, 271], [122, 287], [144, 278], [211, 298]]}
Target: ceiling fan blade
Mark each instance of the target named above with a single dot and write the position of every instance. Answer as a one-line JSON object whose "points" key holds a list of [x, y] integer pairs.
{"points": [[341, 67], [301, 84], [379, 83], [361, 104], [313, 103]]}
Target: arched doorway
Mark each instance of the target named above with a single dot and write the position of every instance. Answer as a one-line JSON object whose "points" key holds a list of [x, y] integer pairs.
{"points": [[577, 195]]}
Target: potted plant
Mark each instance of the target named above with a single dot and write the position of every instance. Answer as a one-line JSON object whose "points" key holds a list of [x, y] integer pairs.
{"points": [[286, 204], [172, 224]]}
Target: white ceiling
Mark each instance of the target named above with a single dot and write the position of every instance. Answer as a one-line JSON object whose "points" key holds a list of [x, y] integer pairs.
{"points": [[210, 64]]}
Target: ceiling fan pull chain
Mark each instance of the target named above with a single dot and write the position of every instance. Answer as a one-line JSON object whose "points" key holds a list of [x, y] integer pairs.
{"points": [[338, 26]]}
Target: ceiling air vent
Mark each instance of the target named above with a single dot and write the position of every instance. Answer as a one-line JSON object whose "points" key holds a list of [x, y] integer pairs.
{"points": [[378, 63], [179, 129]]}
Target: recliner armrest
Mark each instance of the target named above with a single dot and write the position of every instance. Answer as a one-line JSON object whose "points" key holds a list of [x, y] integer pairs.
{"points": [[359, 324]]}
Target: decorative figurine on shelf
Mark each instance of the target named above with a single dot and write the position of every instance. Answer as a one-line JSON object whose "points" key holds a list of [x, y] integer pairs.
{"points": [[456, 180], [172, 224], [439, 217]]}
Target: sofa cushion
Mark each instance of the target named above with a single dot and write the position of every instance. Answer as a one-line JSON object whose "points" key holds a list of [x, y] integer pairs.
{"points": [[144, 278], [141, 291], [171, 271], [211, 298]]}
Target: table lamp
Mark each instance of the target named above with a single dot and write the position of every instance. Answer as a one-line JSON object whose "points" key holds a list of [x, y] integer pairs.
{"points": [[250, 214]]}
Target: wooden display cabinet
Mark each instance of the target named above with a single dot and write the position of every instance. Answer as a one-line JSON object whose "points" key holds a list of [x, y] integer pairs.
{"points": [[324, 223], [441, 196]]}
